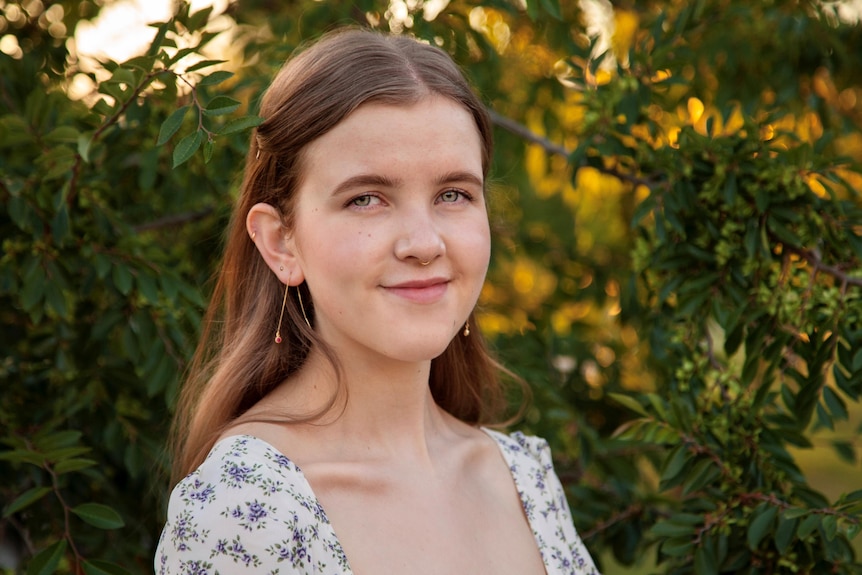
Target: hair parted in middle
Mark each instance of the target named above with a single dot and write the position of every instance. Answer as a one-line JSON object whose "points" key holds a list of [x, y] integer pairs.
{"points": [[236, 362]]}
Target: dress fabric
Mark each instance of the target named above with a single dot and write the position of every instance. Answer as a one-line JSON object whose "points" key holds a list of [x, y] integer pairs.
{"points": [[249, 509]]}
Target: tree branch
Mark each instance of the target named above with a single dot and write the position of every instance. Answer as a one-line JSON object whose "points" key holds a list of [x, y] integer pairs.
{"points": [[633, 510], [174, 220], [813, 258], [524, 132]]}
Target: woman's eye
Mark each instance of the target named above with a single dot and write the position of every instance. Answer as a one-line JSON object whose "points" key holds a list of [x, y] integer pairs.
{"points": [[364, 201], [451, 196]]}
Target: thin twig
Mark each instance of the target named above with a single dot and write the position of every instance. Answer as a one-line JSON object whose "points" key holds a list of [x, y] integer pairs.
{"points": [[527, 134], [630, 511], [174, 220]]}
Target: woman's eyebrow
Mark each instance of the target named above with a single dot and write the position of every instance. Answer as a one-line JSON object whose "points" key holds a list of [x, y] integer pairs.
{"points": [[460, 176], [364, 180], [380, 181]]}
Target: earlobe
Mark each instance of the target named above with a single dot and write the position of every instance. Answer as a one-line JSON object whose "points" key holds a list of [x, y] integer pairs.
{"points": [[272, 240]]}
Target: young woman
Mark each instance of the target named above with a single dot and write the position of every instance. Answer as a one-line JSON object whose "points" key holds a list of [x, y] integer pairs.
{"points": [[332, 421]]}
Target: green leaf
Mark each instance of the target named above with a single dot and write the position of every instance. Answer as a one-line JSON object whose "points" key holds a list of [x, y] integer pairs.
{"points": [[760, 526], [122, 278], [159, 38], [677, 546], [34, 286], [703, 473], [704, 562], [147, 286], [795, 512], [830, 526], [808, 525], [84, 142], [142, 63], [171, 125], [164, 372], [57, 439], [240, 124], [852, 496], [836, 405], [785, 532], [64, 453], [782, 232], [204, 64], [23, 456], [123, 76], [99, 515], [674, 464], [60, 225], [857, 361], [27, 498], [46, 561], [208, 150], [629, 402], [103, 108], [70, 465], [215, 78], [221, 105], [187, 147], [62, 135], [671, 529]]}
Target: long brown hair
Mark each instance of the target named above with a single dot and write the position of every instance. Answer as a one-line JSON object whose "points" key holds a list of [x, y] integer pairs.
{"points": [[236, 362]]}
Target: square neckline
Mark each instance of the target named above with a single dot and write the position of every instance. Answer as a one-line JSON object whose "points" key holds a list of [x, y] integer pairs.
{"points": [[497, 437]]}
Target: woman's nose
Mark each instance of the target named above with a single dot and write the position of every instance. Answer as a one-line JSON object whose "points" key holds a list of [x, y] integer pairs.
{"points": [[419, 238]]}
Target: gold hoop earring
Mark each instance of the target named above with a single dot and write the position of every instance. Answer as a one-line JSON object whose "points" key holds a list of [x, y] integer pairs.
{"points": [[302, 307], [281, 316], [466, 329]]}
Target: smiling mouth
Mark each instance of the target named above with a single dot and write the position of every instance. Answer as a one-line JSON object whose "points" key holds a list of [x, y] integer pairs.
{"points": [[424, 291]]}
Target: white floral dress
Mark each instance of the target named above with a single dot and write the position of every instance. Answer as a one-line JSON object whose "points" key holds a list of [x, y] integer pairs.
{"points": [[249, 509]]}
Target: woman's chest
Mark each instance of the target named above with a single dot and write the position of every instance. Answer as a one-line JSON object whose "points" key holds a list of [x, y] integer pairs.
{"points": [[423, 528]]}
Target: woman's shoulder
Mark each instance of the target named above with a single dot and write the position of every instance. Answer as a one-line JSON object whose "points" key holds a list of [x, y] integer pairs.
{"points": [[545, 503], [246, 470], [240, 463], [520, 446], [247, 505]]}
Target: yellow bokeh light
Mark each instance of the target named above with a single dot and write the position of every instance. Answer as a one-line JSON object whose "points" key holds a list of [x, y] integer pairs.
{"points": [[695, 109], [626, 27], [569, 313]]}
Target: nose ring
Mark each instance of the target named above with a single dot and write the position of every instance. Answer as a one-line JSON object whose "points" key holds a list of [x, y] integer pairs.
{"points": [[424, 263]]}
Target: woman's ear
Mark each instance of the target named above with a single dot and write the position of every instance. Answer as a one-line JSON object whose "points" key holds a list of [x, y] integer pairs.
{"points": [[273, 241]]}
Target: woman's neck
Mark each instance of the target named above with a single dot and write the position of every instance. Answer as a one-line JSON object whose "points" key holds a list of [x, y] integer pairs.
{"points": [[382, 408]]}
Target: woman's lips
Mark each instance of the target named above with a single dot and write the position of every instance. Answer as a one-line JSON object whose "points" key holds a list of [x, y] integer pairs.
{"points": [[420, 291]]}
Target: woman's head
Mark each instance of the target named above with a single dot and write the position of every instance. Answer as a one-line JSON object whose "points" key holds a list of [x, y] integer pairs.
{"points": [[237, 362], [323, 84]]}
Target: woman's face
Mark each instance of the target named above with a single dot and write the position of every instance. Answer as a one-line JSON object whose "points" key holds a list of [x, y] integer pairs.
{"points": [[391, 231]]}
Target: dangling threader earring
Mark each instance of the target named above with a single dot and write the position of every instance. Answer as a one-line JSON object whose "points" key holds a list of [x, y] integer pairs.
{"points": [[281, 316], [302, 307]]}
